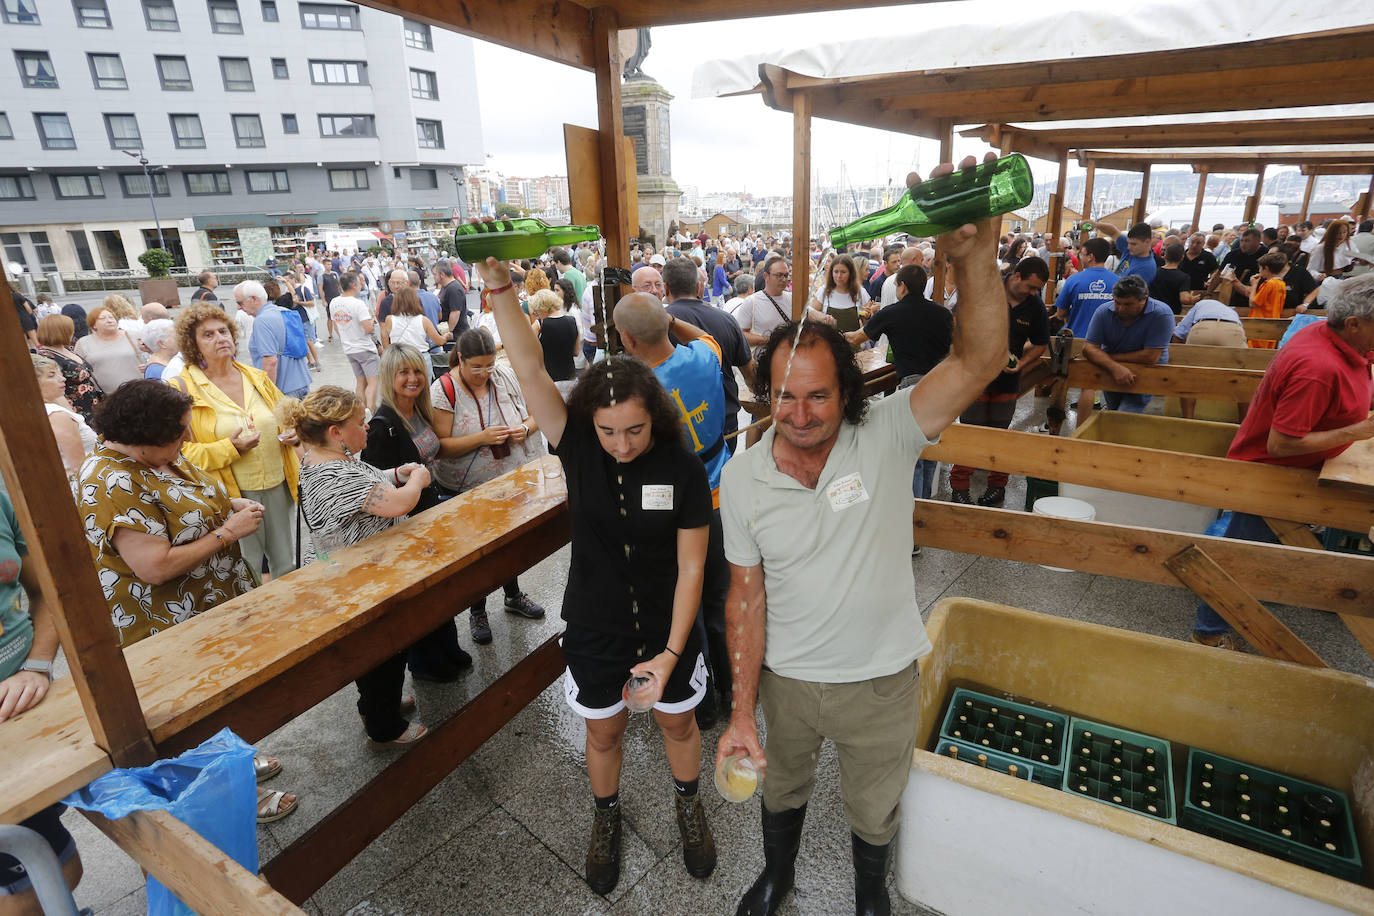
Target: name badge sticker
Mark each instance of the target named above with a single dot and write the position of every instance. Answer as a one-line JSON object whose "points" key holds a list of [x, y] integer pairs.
{"points": [[657, 496], [845, 492]]}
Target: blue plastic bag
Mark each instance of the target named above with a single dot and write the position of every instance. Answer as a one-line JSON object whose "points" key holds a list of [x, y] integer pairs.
{"points": [[211, 789]]}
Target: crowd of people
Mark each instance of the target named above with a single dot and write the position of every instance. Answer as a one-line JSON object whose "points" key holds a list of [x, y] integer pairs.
{"points": [[199, 445]]}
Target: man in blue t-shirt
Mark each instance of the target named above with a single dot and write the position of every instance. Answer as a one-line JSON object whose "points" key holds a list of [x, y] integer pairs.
{"points": [[1134, 249], [1084, 292], [267, 344], [1133, 331]]}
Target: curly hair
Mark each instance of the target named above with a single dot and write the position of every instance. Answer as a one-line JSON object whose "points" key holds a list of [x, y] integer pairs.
{"points": [[142, 412], [326, 406], [628, 379], [544, 303], [813, 334], [535, 280], [121, 307], [190, 320]]}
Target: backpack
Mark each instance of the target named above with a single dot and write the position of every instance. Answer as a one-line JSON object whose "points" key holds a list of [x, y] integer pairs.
{"points": [[295, 334]]}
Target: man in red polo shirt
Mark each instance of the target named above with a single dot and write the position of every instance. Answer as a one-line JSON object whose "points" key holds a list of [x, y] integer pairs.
{"points": [[1313, 402]]}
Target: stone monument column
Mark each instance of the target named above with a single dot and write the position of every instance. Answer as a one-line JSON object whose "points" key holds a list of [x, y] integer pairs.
{"points": [[644, 108]]}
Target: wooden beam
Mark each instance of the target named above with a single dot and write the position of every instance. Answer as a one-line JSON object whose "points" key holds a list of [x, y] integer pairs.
{"points": [[1245, 486], [1179, 381], [1265, 328], [552, 29], [1201, 196], [1307, 197], [1142, 203], [1253, 202], [801, 202], [1348, 168], [323, 850], [621, 215], [1266, 132], [1287, 575], [1162, 157], [205, 879], [1247, 616], [1295, 534], [1088, 191], [634, 13], [1220, 357], [59, 555]]}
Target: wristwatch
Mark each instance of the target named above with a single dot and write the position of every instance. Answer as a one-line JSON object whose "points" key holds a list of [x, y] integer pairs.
{"points": [[40, 667]]}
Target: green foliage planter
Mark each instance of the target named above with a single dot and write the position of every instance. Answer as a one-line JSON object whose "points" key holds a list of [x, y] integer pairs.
{"points": [[157, 262]]}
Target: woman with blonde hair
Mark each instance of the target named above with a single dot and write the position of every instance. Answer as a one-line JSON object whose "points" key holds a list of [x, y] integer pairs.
{"points": [[75, 439], [557, 332], [345, 501], [83, 392], [234, 435], [113, 354]]}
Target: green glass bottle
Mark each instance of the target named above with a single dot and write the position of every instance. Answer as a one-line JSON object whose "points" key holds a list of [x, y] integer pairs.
{"points": [[947, 202], [513, 239]]}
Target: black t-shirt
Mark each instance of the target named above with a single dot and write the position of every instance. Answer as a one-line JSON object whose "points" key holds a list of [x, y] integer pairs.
{"points": [[660, 492], [1168, 283], [1246, 265], [919, 331], [329, 287], [25, 309], [1198, 269], [733, 347], [383, 308], [1299, 284], [453, 298], [1027, 322], [556, 336]]}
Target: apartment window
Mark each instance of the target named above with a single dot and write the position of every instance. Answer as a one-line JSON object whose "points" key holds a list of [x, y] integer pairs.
{"points": [[207, 182], [328, 16], [92, 14], [71, 186], [54, 130], [238, 76], [107, 71], [429, 133], [270, 181], [423, 84], [338, 72], [161, 16], [186, 132], [348, 179], [289, 125], [35, 69], [269, 10], [417, 35], [21, 12], [248, 130], [348, 126], [174, 73], [279, 70], [6, 132], [423, 179], [16, 187], [224, 17], [135, 184], [123, 131]]}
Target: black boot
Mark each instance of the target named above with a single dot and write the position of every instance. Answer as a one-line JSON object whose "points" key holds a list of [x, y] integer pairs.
{"points": [[781, 840], [870, 878], [603, 852]]}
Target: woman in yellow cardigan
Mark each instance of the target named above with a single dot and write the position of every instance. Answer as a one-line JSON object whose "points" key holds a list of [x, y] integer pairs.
{"points": [[234, 433]]}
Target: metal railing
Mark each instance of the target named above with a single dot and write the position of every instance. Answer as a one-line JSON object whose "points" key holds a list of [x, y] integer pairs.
{"points": [[90, 281]]}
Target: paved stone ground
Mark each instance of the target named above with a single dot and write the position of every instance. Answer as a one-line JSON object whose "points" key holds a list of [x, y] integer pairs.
{"points": [[505, 833]]}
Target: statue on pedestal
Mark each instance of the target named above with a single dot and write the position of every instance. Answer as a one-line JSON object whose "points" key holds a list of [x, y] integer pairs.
{"points": [[635, 61]]}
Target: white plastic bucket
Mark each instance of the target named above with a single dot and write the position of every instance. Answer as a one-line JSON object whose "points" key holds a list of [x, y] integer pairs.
{"points": [[1063, 507]]}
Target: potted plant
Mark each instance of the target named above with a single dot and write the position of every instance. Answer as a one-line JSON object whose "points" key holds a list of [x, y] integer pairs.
{"points": [[159, 287]]}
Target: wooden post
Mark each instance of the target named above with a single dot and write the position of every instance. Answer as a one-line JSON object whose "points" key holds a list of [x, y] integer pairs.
{"points": [[1253, 202], [1142, 203], [1201, 195], [58, 553], [940, 268], [620, 215], [801, 202], [1056, 218], [1088, 191], [1307, 196]]}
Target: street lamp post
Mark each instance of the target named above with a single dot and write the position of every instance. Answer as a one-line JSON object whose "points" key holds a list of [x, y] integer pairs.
{"points": [[152, 199], [457, 176]]}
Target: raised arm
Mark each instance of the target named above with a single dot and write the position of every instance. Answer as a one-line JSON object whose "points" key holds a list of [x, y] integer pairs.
{"points": [[523, 349], [979, 349]]}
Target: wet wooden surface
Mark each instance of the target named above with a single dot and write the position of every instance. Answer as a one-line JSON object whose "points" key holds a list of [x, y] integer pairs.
{"points": [[1352, 469], [189, 672]]}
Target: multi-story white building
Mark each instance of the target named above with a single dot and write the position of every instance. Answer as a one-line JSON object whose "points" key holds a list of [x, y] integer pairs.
{"points": [[264, 122]]}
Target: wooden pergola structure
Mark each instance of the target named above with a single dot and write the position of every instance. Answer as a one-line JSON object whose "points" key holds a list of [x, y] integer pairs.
{"points": [[260, 660]]}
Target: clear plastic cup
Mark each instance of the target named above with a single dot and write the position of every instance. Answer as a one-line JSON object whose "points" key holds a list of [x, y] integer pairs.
{"points": [[641, 692], [737, 778]]}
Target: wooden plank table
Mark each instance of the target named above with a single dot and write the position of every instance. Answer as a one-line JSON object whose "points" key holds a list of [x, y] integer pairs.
{"points": [[1352, 469]]}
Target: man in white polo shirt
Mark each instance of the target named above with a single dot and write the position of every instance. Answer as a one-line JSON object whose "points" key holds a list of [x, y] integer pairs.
{"points": [[821, 618]]}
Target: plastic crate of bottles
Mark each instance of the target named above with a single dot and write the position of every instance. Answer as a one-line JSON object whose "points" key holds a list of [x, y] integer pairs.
{"points": [[1012, 729], [985, 758], [1347, 542], [1121, 768], [1271, 813]]}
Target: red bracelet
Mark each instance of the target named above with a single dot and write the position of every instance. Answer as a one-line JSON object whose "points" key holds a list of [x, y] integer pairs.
{"points": [[500, 289]]}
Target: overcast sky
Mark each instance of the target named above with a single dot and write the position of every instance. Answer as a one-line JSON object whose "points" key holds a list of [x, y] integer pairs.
{"points": [[718, 144]]}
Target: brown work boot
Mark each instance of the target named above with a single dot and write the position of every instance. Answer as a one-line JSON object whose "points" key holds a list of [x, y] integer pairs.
{"points": [[603, 853], [698, 845], [1227, 640]]}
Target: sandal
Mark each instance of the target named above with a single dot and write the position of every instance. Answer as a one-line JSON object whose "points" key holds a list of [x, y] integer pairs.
{"points": [[414, 732], [271, 807], [264, 767]]}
